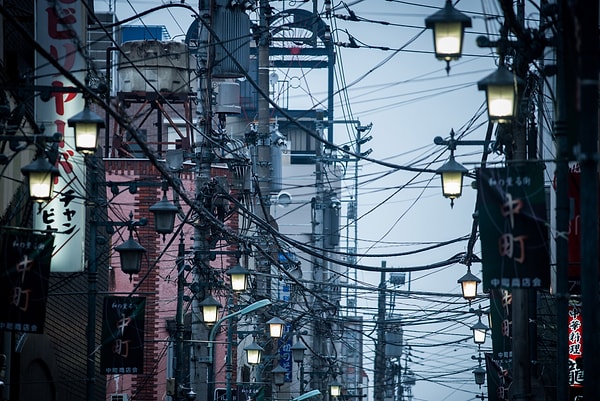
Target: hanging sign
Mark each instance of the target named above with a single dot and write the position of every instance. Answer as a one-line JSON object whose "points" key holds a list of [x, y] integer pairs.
{"points": [[575, 352], [513, 226], [499, 361], [122, 349], [24, 275]]}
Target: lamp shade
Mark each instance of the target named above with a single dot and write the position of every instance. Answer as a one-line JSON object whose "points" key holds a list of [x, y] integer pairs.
{"points": [[468, 284], [253, 353], [86, 125], [276, 327], [298, 350], [238, 277], [40, 175], [501, 94], [448, 25], [479, 332], [164, 215], [452, 174], [335, 388], [130, 253], [210, 308]]}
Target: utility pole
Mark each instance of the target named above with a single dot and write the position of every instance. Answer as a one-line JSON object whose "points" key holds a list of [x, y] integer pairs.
{"points": [[561, 129], [586, 21], [379, 379], [263, 169], [203, 157]]}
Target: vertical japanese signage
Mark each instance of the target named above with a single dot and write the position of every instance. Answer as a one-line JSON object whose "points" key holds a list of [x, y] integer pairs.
{"points": [[513, 226], [499, 361], [60, 29], [285, 352], [575, 352], [24, 275], [122, 350]]}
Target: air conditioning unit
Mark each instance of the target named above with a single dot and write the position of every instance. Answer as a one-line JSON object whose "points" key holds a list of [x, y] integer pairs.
{"points": [[119, 397]]}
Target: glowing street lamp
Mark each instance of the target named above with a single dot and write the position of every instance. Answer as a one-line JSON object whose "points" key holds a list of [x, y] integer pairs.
{"points": [[448, 25]]}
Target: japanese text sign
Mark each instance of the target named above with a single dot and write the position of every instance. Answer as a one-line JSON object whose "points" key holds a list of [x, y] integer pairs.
{"points": [[123, 335], [24, 275], [60, 30], [513, 227]]}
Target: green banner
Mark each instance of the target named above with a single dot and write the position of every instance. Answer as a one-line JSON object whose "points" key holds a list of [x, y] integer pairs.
{"points": [[513, 225]]}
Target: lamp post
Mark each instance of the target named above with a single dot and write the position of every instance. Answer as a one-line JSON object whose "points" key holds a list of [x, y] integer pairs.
{"points": [[86, 126], [211, 340]]}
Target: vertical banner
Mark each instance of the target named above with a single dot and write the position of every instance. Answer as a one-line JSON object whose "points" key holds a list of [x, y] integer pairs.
{"points": [[122, 350], [24, 275], [499, 361], [575, 353], [513, 227], [285, 352], [60, 28]]}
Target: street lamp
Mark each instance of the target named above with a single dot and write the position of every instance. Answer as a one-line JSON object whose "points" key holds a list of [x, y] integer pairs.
{"points": [[298, 352], [468, 284], [335, 388], [479, 331], [448, 25], [479, 373], [86, 125], [130, 254], [253, 353], [164, 215], [452, 174], [210, 307], [211, 340], [238, 277], [276, 327], [40, 175], [501, 94], [279, 373]]}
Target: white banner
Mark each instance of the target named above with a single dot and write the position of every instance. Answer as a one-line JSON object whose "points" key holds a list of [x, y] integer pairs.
{"points": [[60, 28]]}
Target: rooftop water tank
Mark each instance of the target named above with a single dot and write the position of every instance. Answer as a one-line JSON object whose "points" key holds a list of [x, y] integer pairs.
{"points": [[153, 65]]}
